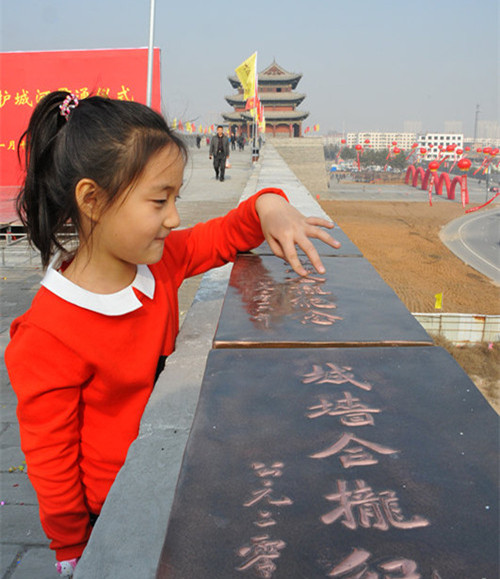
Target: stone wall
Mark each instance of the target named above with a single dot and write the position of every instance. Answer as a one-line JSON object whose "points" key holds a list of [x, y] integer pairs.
{"points": [[306, 158]]}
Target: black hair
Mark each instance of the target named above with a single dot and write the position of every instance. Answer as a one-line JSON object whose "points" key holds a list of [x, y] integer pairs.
{"points": [[108, 141]]}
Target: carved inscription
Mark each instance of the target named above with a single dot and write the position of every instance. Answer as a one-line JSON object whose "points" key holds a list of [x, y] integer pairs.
{"points": [[262, 551]]}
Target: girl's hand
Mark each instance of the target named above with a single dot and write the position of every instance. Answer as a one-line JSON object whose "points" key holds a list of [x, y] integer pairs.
{"points": [[284, 226]]}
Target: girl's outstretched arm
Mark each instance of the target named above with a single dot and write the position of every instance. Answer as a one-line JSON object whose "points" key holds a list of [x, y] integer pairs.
{"points": [[284, 226]]}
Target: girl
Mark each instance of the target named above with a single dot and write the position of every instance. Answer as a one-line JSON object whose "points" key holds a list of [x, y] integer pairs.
{"points": [[84, 358]]}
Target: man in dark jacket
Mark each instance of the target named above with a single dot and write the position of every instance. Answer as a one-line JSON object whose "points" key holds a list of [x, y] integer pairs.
{"points": [[219, 150]]}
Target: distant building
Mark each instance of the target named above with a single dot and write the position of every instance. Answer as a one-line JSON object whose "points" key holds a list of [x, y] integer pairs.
{"points": [[432, 141], [276, 92], [381, 141]]}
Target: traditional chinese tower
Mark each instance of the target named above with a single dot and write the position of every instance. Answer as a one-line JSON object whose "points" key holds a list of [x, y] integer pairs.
{"points": [[276, 93]]}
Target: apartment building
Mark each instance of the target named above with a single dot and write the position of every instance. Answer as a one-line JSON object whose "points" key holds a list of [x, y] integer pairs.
{"points": [[381, 141]]}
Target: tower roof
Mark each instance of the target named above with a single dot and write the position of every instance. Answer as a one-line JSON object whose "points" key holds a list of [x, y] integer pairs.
{"points": [[272, 117], [274, 74], [268, 98]]}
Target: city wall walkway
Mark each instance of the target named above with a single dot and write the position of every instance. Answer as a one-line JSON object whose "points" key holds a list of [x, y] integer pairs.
{"points": [[24, 549], [137, 511], [128, 538]]}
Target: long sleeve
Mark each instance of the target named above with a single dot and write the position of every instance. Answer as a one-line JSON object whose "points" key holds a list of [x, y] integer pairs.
{"points": [[49, 418]]}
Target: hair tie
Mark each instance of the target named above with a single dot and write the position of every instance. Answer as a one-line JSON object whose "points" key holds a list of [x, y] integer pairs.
{"points": [[70, 102]]}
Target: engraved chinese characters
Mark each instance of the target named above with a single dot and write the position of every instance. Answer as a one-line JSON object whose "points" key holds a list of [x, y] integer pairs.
{"points": [[369, 463], [267, 303]]}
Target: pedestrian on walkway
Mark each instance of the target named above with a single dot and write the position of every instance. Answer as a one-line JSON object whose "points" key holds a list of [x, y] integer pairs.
{"points": [[84, 358], [219, 150]]}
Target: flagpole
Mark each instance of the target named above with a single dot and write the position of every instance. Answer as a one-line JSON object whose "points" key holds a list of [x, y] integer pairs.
{"points": [[150, 53], [255, 152]]}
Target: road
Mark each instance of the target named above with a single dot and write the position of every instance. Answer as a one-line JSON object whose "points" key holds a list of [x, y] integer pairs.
{"points": [[475, 239]]}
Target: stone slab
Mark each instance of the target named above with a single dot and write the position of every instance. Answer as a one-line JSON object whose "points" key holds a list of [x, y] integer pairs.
{"points": [[268, 304], [365, 462]]}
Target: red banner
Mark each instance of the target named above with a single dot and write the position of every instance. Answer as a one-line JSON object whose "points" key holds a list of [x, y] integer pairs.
{"points": [[25, 77]]}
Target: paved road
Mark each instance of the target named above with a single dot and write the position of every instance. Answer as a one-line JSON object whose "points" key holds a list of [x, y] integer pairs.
{"points": [[475, 239]]}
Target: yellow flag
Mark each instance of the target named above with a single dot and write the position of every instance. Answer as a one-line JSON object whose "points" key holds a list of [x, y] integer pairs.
{"points": [[246, 73], [439, 301]]}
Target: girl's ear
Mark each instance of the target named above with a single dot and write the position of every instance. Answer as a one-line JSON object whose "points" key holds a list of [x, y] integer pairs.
{"points": [[88, 198]]}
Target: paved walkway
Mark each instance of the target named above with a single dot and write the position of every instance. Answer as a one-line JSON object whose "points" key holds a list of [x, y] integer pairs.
{"points": [[24, 551], [135, 516]]}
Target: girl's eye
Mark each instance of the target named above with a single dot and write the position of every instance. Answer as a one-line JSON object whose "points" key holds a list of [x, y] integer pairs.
{"points": [[159, 201]]}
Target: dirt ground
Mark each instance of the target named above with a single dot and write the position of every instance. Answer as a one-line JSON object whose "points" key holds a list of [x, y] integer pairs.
{"points": [[401, 240]]}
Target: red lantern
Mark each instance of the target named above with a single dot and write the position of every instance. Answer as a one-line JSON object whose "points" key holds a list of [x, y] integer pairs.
{"points": [[433, 166], [450, 148], [479, 150], [396, 151], [367, 141], [394, 143], [414, 146], [459, 152], [343, 141], [359, 147], [487, 150], [423, 151], [464, 164], [494, 152], [467, 148]]}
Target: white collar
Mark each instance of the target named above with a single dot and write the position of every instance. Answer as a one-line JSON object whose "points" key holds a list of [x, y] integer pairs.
{"points": [[117, 304]]}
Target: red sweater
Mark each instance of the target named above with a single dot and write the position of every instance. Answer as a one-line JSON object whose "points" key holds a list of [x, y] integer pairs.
{"points": [[83, 368]]}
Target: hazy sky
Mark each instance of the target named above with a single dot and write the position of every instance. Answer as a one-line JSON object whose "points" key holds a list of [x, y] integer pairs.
{"points": [[366, 64]]}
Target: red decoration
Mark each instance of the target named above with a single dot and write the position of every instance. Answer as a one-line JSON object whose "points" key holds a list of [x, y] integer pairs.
{"points": [[464, 164], [396, 151], [423, 150], [433, 166]]}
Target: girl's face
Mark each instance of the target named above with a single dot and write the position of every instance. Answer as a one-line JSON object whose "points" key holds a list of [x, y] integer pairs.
{"points": [[133, 229]]}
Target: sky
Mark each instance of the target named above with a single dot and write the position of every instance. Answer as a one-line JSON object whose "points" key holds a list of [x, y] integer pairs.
{"points": [[367, 65]]}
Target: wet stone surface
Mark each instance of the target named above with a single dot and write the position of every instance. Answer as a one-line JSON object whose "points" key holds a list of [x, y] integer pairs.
{"points": [[366, 462], [268, 304], [347, 249]]}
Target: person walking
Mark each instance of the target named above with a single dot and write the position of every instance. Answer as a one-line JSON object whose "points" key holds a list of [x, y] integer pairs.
{"points": [[219, 150]]}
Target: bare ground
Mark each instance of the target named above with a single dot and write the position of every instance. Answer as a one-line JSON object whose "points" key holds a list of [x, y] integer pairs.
{"points": [[401, 240]]}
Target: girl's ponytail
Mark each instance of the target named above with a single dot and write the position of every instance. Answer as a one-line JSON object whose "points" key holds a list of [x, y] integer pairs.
{"points": [[107, 141], [44, 204]]}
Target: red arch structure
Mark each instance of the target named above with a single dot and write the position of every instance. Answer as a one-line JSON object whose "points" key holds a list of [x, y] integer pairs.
{"points": [[416, 174]]}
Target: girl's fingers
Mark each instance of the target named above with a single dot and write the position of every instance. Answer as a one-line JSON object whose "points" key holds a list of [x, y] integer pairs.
{"points": [[320, 222], [288, 251], [318, 231]]}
